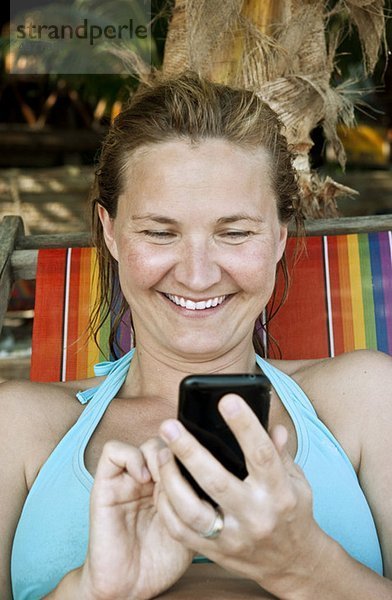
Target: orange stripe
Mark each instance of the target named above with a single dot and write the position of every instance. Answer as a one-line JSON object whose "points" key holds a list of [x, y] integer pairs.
{"points": [[336, 304], [345, 294]]}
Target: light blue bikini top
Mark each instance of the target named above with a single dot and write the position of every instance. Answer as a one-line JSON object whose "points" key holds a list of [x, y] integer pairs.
{"points": [[52, 534]]}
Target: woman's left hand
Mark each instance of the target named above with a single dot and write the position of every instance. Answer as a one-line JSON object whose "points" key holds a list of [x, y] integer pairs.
{"points": [[269, 533]]}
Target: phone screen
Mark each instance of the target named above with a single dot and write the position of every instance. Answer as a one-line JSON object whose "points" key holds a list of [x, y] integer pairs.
{"points": [[198, 412]]}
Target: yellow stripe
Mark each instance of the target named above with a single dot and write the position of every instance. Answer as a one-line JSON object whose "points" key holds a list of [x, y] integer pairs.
{"points": [[84, 276], [93, 351], [356, 292]]}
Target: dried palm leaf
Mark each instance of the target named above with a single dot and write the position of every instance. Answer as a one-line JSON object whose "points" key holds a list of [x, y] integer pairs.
{"points": [[368, 17], [279, 48]]}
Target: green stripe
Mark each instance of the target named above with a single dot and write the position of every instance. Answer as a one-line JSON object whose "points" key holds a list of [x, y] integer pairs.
{"points": [[104, 334], [367, 291]]}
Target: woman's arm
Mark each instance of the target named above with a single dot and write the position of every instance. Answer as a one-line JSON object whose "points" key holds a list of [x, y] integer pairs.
{"points": [[13, 489], [130, 553], [270, 534]]}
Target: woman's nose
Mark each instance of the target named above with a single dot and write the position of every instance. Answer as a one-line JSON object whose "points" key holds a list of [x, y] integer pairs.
{"points": [[197, 268]]}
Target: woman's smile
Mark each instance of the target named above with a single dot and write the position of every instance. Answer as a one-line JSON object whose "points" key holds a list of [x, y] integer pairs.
{"points": [[197, 308]]}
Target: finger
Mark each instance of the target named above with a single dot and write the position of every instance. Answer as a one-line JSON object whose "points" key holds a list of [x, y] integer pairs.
{"points": [[180, 529], [261, 456], [150, 450], [117, 458], [279, 435], [212, 477]]}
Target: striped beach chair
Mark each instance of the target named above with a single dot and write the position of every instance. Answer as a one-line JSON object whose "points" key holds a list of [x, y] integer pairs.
{"points": [[340, 299]]}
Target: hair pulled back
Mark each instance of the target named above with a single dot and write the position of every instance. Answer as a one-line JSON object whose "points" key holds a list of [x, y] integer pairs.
{"points": [[185, 108]]}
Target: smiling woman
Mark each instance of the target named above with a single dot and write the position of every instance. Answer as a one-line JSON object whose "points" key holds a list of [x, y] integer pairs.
{"points": [[196, 246], [190, 135], [192, 199]]}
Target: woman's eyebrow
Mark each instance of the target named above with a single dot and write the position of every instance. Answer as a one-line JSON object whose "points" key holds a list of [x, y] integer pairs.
{"points": [[240, 217], [157, 218]]}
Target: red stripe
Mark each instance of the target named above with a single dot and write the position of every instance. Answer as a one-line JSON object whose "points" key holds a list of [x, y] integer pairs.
{"points": [[336, 300], [301, 326], [48, 320]]}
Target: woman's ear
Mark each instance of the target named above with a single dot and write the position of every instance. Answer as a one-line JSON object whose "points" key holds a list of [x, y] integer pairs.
{"points": [[283, 230], [108, 231]]}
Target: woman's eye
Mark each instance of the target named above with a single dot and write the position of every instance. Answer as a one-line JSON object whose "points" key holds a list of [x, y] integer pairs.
{"points": [[236, 235], [159, 235]]}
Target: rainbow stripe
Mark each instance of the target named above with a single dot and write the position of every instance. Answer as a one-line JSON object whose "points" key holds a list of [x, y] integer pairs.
{"points": [[67, 288], [340, 300]]}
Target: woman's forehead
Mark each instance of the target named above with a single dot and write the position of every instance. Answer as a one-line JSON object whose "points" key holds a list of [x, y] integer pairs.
{"points": [[214, 179], [182, 163]]}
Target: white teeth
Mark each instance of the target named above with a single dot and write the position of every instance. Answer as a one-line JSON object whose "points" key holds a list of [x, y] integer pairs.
{"points": [[201, 305]]}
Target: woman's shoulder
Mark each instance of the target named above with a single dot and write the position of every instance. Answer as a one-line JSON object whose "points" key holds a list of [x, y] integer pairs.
{"points": [[351, 393], [33, 419], [353, 373]]}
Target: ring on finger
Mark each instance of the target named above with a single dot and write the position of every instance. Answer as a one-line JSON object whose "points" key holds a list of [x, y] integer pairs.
{"points": [[216, 527]]}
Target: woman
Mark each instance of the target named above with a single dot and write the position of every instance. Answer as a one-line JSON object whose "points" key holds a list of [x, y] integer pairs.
{"points": [[194, 194]]}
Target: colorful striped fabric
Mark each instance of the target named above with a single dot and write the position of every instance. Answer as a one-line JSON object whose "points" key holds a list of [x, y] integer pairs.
{"points": [[67, 288], [340, 300]]}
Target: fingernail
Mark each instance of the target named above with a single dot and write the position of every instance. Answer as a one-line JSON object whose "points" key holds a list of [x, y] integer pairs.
{"points": [[163, 456], [230, 405], [170, 431]]}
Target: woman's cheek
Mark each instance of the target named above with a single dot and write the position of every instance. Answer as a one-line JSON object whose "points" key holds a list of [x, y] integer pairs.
{"points": [[145, 267]]}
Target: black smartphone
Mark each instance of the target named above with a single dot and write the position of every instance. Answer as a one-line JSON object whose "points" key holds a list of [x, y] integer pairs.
{"points": [[198, 412]]}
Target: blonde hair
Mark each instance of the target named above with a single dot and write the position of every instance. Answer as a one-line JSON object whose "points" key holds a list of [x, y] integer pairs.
{"points": [[195, 109]]}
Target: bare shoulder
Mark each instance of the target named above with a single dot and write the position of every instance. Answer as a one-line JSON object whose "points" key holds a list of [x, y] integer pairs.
{"points": [[33, 419], [351, 393], [361, 376]]}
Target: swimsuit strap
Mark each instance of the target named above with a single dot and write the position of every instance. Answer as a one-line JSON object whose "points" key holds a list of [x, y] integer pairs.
{"points": [[103, 393]]}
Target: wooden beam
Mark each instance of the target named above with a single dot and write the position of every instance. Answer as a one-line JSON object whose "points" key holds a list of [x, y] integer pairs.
{"points": [[24, 264], [54, 240], [11, 228], [345, 225]]}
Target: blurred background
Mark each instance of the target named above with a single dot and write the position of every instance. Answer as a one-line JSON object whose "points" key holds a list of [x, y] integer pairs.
{"points": [[51, 127]]}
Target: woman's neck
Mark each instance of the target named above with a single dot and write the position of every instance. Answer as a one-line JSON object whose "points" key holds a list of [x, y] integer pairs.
{"points": [[156, 374]]}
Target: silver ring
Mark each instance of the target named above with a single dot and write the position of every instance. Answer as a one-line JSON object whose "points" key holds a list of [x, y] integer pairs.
{"points": [[216, 527]]}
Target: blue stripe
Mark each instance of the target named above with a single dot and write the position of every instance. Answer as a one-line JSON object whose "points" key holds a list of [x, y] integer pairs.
{"points": [[378, 292]]}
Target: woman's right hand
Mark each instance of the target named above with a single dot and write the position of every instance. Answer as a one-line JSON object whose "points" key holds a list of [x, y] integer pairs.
{"points": [[131, 555]]}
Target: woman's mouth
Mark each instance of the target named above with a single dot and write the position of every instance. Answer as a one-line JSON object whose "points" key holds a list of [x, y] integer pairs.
{"points": [[196, 305]]}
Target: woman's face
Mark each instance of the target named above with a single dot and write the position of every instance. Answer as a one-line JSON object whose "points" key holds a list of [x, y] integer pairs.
{"points": [[197, 238]]}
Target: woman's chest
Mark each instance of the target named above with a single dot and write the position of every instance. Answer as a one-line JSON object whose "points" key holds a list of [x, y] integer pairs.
{"points": [[130, 421]]}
